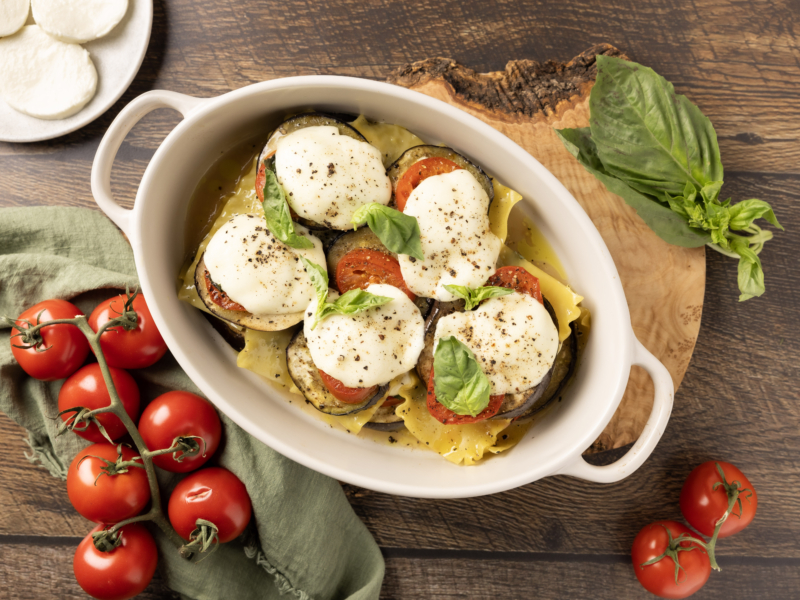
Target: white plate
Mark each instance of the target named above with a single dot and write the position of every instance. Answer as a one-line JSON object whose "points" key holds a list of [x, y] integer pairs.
{"points": [[117, 58]]}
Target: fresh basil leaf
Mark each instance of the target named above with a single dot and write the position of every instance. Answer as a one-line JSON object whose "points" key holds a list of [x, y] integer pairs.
{"points": [[751, 275], [473, 297], [647, 135], [276, 212], [397, 231], [458, 381], [668, 225], [319, 279], [745, 212]]}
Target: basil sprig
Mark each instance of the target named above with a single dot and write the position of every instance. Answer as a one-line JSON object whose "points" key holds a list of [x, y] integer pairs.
{"points": [[473, 297], [276, 212], [397, 231], [657, 150], [458, 381], [349, 303]]}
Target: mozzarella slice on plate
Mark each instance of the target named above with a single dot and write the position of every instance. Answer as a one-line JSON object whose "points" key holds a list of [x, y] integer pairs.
{"points": [[371, 347], [43, 77], [513, 338], [13, 14], [328, 177], [78, 20], [457, 241], [259, 272]]}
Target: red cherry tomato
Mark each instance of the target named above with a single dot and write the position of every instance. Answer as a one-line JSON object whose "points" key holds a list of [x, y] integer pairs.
{"points": [[67, 347], [213, 494], [444, 415], [346, 394], [702, 506], [517, 279], [106, 498], [177, 414], [134, 349], [419, 172], [88, 389], [122, 573], [659, 578], [360, 268]]}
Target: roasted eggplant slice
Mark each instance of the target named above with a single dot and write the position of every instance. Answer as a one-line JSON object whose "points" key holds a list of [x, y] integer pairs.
{"points": [[233, 334], [304, 120], [386, 419], [243, 319], [412, 155], [306, 377]]}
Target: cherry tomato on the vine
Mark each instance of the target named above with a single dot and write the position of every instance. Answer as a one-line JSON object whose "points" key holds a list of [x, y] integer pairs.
{"points": [[88, 389], [183, 414], [104, 498], [660, 578], [213, 494], [121, 573], [134, 349], [64, 346], [702, 505]]}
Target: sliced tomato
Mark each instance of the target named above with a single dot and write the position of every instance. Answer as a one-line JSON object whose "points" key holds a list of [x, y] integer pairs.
{"points": [[444, 415], [346, 394], [419, 172], [394, 401], [220, 298], [517, 279], [360, 268]]}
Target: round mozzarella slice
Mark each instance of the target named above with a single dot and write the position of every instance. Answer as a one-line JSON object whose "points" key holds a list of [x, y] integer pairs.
{"points": [[457, 242], [371, 347], [13, 14], [328, 177], [45, 78], [513, 338], [259, 272], [78, 21]]}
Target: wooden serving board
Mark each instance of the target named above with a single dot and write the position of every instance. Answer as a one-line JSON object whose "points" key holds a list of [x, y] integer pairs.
{"points": [[664, 284]]}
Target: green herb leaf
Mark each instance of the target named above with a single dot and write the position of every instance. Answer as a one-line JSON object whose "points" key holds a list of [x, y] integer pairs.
{"points": [[397, 231], [458, 381], [745, 212], [473, 297], [276, 212], [349, 303], [751, 275]]}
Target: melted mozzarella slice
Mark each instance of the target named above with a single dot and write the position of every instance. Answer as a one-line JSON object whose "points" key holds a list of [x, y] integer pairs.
{"points": [[371, 347], [458, 244], [258, 271], [78, 21], [328, 177], [43, 77], [513, 338], [13, 14]]}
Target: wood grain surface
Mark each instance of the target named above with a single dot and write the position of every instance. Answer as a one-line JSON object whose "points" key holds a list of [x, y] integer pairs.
{"points": [[559, 537]]}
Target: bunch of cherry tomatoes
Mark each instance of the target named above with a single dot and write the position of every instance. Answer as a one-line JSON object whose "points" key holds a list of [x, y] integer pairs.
{"points": [[107, 482]]}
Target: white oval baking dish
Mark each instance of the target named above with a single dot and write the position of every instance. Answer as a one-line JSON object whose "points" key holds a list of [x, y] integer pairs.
{"points": [[155, 228]]}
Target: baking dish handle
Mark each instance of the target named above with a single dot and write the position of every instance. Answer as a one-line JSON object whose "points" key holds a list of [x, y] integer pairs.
{"points": [[112, 140], [644, 446]]}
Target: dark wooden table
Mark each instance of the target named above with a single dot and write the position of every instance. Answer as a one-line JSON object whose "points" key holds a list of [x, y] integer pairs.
{"points": [[739, 60]]}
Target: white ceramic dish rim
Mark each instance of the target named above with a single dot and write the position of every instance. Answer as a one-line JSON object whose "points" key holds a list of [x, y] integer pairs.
{"points": [[629, 350]]}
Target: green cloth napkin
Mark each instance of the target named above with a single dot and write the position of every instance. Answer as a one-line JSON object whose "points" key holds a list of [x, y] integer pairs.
{"points": [[304, 539]]}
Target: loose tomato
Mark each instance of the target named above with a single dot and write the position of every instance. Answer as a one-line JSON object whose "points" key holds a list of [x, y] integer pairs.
{"points": [[121, 573], [517, 279], [180, 414], [134, 349], [346, 394], [105, 498], [419, 172], [219, 297], [659, 578], [88, 389], [444, 415], [702, 505], [64, 347], [213, 494], [360, 268]]}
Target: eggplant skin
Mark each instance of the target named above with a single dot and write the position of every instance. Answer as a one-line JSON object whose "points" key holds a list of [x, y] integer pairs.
{"points": [[229, 332], [243, 319], [412, 155], [306, 377], [395, 426], [303, 120]]}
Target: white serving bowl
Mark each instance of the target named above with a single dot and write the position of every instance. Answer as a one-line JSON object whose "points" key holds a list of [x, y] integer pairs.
{"points": [[155, 228]]}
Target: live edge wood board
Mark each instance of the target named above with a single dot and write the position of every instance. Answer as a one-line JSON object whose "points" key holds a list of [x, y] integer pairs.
{"points": [[664, 284]]}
